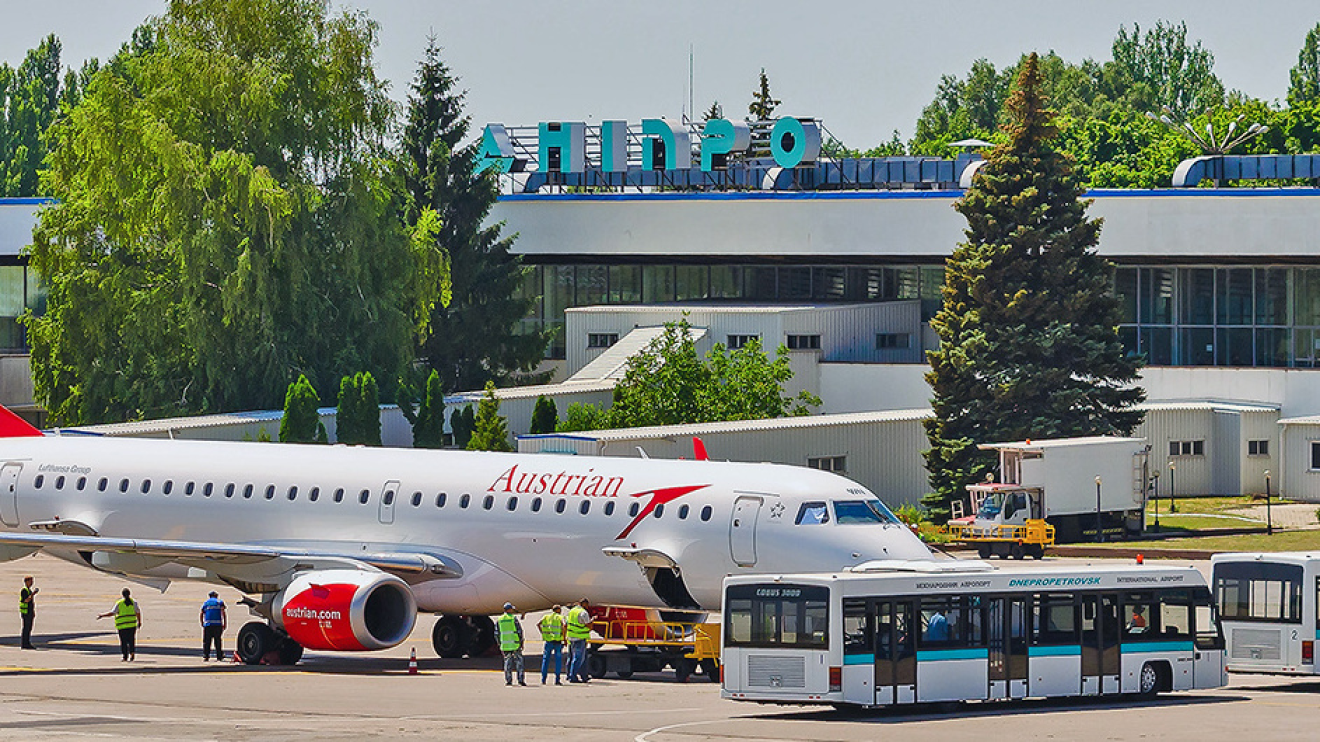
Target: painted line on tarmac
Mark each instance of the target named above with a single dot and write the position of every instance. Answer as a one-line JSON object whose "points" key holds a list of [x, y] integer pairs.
{"points": [[643, 737]]}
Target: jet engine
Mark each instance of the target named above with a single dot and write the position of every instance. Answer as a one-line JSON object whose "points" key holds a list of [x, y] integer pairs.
{"points": [[346, 610]]}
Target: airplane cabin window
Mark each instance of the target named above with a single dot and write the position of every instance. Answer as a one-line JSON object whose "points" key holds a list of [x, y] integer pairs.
{"points": [[188, 489], [168, 487], [812, 513], [363, 496], [513, 504], [585, 507], [683, 512], [41, 478], [440, 499], [706, 513], [59, 482], [388, 497], [82, 483], [100, 486], [229, 490], [464, 500], [417, 499], [488, 503], [123, 485], [659, 511], [293, 493], [270, 492], [609, 508], [247, 491], [560, 505], [536, 504], [146, 486], [632, 510], [339, 495], [207, 489], [314, 494]]}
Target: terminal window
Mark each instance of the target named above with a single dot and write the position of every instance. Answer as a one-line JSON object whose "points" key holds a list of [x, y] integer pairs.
{"points": [[738, 341], [828, 463], [602, 339], [1315, 455], [804, 342], [893, 340], [1186, 448], [1258, 448]]}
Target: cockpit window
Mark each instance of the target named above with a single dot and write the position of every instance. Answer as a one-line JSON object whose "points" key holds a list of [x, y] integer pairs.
{"points": [[847, 512], [812, 513]]}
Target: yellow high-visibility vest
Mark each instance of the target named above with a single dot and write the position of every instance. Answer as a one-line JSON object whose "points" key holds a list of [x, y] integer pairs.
{"points": [[552, 628], [579, 623], [508, 629], [126, 615]]}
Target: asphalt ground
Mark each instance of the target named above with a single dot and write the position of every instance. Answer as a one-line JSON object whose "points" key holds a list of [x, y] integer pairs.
{"points": [[75, 686]]}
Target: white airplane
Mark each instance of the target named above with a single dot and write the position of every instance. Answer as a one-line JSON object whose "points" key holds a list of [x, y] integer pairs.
{"points": [[342, 546]]}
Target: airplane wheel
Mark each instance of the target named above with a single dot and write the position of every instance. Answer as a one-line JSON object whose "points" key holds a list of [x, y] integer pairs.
{"points": [[484, 637], [255, 639], [449, 637], [290, 651]]}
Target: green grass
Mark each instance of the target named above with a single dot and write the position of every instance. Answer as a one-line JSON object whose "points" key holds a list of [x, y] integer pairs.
{"points": [[1207, 505], [1200, 522], [1280, 541]]}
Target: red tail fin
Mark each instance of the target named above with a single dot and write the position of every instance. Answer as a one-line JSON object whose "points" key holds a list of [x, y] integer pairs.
{"points": [[699, 450], [13, 426]]}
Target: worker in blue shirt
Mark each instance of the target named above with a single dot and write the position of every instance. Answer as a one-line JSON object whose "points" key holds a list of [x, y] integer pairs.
{"points": [[213, 625]]}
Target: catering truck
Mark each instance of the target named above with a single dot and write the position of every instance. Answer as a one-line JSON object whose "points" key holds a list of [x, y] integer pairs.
{"points": [[1071, 484]]}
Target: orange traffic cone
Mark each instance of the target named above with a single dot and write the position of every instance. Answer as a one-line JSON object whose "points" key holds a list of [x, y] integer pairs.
{"points": [[412, 662], [236, 659]]}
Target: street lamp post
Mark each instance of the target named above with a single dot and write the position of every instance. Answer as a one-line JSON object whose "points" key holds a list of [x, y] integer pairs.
{"points": [[1157, 500], [1173, 504], [1099, 532], [1269, 521]]}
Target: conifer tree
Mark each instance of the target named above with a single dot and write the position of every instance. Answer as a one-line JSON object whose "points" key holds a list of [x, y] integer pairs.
{"points": [[300, 422], [545, 416], [461, 421], [1028, 329], [472, 337], [490, 432], [429, 427], [358, 416], [763, 104], [347, 427]]}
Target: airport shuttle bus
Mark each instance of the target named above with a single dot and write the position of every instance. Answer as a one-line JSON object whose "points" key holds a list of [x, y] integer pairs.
{"points": [[914, 632], [1267, 607]]}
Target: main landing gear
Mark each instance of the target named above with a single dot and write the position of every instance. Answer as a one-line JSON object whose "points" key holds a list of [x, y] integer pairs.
{"points": [[258, 642], [456, 636]]}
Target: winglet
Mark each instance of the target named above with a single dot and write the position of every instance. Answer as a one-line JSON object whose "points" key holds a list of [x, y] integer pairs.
{"points": [[13, 426], [699, 450]]}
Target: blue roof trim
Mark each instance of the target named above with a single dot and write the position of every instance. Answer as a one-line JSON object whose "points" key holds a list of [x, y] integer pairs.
{"points": [[548, 436], [883, 195], [26, 201]]}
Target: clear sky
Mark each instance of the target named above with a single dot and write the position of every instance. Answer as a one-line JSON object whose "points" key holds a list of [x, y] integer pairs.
{"points": [[865, 67]]}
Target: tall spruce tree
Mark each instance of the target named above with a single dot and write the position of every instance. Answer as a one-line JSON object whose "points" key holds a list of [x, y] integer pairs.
{"points": [[429, 427], [763, 104], [490, 431], [545, 416], [300, 423], [473, 339], [1028, 330]]}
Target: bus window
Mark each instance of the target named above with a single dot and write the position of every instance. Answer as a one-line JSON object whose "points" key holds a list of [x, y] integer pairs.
{"points": [[778, 616], [1175, 620], [1209, 635], [941, 620], [857, 632], [812, 513], [1140, 616], [1259, 591], [1055, 619]]}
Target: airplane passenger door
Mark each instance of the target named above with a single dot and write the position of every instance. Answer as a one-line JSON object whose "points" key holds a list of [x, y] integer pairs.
{"points": [[9, 494], [742, 530], [387, 496]]}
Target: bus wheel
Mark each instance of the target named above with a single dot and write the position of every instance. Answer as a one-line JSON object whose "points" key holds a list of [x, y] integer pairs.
{"points": [[1017, 551], [1148, 683]]}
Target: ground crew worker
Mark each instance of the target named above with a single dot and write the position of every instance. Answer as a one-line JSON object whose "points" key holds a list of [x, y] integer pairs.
{"points": [[214, 622], [511, 644], [578, 629], [552, 633], [128, 617], [27, 610]]}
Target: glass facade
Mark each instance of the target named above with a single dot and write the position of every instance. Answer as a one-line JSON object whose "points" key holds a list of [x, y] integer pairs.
{"points": [[19, 291], [555, 288]]}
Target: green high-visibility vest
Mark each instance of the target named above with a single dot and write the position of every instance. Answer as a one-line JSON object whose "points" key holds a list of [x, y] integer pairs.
{"points": [[579, 623], [552, 628], [508, 628], [126, 615], [24, 605]]}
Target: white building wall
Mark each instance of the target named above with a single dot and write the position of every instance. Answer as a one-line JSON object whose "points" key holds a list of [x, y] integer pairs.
{"points": [[1299, 481]]}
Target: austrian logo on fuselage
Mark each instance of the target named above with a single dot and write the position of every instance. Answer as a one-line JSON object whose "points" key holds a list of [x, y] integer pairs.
{"points": [[589, 484]]}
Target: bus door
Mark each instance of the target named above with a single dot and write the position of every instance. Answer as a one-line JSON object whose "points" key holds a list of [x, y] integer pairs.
{"points": [[895, 652], [1101, 622], [1006, 629]]}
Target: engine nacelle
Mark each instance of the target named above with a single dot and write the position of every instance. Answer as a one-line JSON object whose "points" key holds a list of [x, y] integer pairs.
{"points": [[346, 610]]}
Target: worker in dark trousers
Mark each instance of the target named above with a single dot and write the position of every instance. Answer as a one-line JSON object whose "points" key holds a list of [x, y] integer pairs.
{"points": [[214, 622], [27, 609]]}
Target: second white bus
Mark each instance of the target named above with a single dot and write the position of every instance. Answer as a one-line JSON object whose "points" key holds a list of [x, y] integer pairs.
{"points": [[964, 631], [1268, 609]]}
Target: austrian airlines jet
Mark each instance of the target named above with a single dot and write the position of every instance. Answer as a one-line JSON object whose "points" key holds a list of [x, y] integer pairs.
{"points": [[340, 547]]}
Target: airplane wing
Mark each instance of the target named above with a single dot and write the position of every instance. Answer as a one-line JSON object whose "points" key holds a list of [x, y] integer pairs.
{"points": [[202, 553]]}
